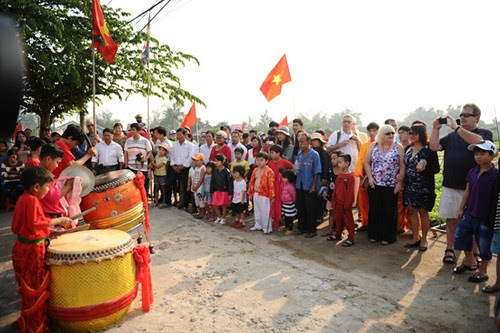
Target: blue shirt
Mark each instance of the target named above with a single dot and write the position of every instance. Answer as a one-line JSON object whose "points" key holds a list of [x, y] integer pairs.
{"points": [[480, 192], [308, 166]]}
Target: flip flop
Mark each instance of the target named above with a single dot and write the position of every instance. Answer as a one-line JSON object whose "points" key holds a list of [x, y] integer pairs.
{"points": [[489, 289], [477, 278], [422, 248], [463, 268], [333, 238], [348, 243], [449, 256]]}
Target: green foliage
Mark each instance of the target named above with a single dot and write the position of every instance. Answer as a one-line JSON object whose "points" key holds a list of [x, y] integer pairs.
{"points": [[57, 36], [106, 120]]}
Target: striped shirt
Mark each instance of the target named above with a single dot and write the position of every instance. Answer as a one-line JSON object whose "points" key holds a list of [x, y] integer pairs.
{"points": [[132, 148], [11, 173]]}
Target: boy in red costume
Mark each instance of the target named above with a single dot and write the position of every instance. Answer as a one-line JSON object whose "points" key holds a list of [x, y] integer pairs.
{"points": [[32, 230], [343, 199]]}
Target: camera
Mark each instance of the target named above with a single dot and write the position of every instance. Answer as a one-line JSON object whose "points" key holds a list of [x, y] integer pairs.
{"points": [[443, 120], [139, 157]]}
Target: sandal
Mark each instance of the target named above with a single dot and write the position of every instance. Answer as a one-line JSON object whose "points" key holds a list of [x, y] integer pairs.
{"points": [[477, 256], [478, 278], [326, 234], [333, 238], [422, 248], [348, 242], [373, 241], [411, 245], [449, 256], [463, 268], [489, 289]]}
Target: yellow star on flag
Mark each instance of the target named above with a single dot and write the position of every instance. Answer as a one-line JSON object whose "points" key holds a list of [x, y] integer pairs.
{"points": [[277, 79], [104, 29]]}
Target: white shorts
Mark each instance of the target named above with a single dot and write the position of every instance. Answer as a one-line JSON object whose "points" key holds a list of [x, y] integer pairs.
{"points": [[198, 200], [450, 202]]}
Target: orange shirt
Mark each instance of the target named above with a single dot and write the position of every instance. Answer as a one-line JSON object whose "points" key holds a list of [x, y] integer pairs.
{"points": [[359, 170], [66, 161], [28, 220], [266, 186]]}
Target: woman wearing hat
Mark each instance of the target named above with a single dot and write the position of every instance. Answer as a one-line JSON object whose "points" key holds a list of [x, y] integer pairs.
{"points": [[284, 140], [221, 147]]}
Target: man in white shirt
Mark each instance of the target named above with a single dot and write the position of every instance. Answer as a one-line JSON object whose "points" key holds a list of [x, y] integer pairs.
{"points": [[109, 154], [180, 160], [346, 141], [138, 151], [161, 135], [235, 143], [206, 148]]}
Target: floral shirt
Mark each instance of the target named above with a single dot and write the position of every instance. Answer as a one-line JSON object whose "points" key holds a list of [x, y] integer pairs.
{"points": [[385, 167]]}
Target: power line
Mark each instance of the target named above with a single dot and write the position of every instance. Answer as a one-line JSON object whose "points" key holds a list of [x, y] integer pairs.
{"points": [[149, 21], [147, 10]]}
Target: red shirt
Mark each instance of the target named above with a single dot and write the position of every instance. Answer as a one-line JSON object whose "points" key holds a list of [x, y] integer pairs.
{"points": [[226, 151], [67, 159], [51, 203], [28, 220], [32, 162], [281, 164], [344, 190]]}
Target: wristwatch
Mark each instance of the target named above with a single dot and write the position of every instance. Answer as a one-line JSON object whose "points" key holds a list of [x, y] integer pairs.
{"points": [[458, 127]]}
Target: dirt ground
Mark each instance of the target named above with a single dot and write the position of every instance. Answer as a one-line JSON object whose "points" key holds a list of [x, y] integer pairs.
{"points": [[218, 279]]}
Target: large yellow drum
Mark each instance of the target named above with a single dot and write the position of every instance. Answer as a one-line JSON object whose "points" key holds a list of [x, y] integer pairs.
{"points": [[118, 202], [93, 279]]}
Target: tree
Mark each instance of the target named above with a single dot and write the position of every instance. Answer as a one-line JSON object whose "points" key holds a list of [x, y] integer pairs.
{"points": [[171, 116], [263, 123], [106, 120], [57, 35]]}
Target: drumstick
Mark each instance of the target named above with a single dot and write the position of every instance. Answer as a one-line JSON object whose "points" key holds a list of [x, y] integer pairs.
{"points": [[88, 140], [85, 212]]}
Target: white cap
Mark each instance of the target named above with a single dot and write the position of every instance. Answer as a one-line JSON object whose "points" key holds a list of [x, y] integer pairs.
{"points": [[486, 145]]}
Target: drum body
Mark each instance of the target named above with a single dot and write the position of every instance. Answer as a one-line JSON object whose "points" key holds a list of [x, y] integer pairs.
{"points": [[118, 202], [93, 279]]}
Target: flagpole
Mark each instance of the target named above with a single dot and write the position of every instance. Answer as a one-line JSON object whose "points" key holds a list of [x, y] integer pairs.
{"points": [[93, 82], [496, 121], [148, 72]]}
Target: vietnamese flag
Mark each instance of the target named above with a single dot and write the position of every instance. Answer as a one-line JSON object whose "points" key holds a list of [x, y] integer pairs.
{"points": [[278, 77], [284, 122], [103, 41], [190, 118], [19, 128]]}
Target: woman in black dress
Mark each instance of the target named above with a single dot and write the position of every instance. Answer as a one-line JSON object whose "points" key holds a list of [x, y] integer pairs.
{"points": [[421, 165]]}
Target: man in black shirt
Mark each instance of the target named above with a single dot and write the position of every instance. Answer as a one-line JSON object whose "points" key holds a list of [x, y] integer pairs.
{"points": [[458, 160]]}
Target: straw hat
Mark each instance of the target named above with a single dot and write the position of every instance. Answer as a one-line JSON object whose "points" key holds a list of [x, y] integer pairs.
{"points": [[317, 136]]}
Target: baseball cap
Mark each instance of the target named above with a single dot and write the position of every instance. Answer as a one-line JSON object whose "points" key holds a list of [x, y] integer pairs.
{"points": [[172, 132], [221, 133], [198, 157], [485, 145]]}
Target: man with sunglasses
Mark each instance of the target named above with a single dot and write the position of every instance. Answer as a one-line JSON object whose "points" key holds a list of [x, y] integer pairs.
{"points": [[458, 160]]}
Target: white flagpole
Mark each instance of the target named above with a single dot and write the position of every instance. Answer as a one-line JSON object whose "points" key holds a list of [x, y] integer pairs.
{"points": [[93, 81]]}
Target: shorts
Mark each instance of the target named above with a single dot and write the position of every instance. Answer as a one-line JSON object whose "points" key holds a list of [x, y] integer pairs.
{"points": [[198, 199], [469, 227], [450, 202], [239, 207], [220, 199], [207, 198], [160, 180], [495, 243]]}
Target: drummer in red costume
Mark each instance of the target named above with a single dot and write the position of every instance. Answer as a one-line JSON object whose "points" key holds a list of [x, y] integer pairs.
{"points": [[71, 137], [32, 230]]}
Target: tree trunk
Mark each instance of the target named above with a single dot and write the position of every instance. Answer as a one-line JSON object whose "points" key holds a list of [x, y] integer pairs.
{"points": [[44, 120], [82, 119]]}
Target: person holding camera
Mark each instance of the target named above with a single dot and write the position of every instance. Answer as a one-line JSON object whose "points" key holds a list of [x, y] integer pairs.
{"points": [[458, 160], [138, 151], [346, 141]]}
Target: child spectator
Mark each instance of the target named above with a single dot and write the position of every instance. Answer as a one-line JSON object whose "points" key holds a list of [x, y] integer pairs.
{"points": [[278, 164], [239, 201], [288, 196], [473, 212], [261, 188], [3, 151], [333, 171], [494, 219], [318, 144], [11, 171], [343, 200], [28, 254], [35, 145], [159, 167], [207, 195], [221, 187], [308, 170], [197, 183], [239, 161]]}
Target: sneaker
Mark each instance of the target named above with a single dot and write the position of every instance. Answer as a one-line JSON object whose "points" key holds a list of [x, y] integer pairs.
{"points": [[217, 221], [288, 233], [255, 229], [222, 221], [268, 231]]}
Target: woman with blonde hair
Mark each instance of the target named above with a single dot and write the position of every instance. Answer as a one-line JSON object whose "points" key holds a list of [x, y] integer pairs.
{"points": [[385, 168]]}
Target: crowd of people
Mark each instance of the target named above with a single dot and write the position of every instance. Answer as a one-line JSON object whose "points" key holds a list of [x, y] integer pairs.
{"points": [[282, 176]]}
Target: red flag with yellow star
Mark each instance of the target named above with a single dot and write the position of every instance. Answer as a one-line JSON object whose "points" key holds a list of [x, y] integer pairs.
{"points": [[103, 41], [278, 77]]}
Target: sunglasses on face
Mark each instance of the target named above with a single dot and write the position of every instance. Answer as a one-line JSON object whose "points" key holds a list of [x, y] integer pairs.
{"points": [[390, 133], [467, 115]]}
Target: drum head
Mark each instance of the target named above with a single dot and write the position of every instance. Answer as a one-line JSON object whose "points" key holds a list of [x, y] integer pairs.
{"points": [[113, 176], [91, 245]]}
